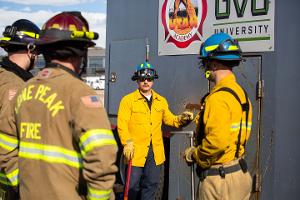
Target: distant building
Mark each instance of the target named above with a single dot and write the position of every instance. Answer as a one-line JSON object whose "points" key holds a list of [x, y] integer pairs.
{"points": [[96, 61], [95, 71]]}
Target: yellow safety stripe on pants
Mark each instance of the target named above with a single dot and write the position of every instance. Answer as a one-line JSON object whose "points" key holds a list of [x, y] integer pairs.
{"points": [[94, 194], [8, 143], [96, 138], [11, 179], [51, 154], [236, 126]]}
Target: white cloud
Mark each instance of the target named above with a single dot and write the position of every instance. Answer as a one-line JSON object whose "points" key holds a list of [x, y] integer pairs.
{"points": [[97, 21], [7, 17], [26, 9], [49, 2]]}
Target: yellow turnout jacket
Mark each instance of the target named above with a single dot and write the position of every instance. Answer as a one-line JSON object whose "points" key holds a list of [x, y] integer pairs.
{"points": [[221, 120], [138, 123]]}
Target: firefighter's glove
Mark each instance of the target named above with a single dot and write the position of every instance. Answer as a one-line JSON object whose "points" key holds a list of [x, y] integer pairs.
{"points": [[188, 154], [186, 117], [128, 150]]}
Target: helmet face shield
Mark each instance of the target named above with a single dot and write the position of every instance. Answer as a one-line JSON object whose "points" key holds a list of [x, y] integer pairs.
{"points": [[226, 46], [18, 35], [12, 31], [221, 47], [145, 71], [146, 74]]}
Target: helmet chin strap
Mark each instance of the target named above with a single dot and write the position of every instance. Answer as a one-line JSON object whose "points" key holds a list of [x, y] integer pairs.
{"points": [[32, 57], [208, 74], [208, 70], [84, 64], [32, 61]]}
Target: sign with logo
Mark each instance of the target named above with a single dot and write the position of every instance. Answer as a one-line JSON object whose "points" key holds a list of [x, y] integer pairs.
{"points": [[185, 24], [180, 26]]}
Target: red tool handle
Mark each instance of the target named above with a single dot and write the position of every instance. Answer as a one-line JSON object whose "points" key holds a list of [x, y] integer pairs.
{"points": [[127, 180]]}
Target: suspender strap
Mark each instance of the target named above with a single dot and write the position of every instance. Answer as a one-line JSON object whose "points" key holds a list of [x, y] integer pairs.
{"points": [[245, 108]]}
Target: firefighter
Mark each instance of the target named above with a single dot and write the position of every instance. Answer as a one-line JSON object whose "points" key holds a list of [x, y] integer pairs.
{"points": [[66, 147], [224, 125], [17, 41], [140, 117]]}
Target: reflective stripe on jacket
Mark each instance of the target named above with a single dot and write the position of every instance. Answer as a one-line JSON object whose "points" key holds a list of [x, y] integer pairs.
{"points": [[138, 123], [11, 179], [66, 147], [10, 83], [221, 119]]}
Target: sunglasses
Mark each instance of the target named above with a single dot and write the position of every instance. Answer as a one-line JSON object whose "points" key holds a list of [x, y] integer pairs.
{"points": [[149, 79]]}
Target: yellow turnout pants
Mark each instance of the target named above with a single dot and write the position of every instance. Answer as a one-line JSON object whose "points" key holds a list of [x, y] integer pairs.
{"points": [[235, 186]]}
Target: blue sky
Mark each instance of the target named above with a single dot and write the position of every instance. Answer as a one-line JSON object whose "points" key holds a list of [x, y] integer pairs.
{"points": [[39, 11]]}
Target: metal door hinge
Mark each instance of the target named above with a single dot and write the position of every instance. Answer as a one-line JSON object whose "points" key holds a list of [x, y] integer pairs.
{"points": [[257, 182], [259, 89]]}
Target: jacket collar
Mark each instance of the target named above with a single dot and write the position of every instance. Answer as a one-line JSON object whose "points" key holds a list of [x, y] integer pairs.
{"points": [[224, 82], [14, 68], [69, 71], [139, 96]]}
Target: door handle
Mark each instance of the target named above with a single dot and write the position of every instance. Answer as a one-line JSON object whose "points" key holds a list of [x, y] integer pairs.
{"points": [[113, 77]]}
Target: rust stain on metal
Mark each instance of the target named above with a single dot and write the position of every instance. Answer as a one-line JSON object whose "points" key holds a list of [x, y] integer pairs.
{"points": [[192, 106]]}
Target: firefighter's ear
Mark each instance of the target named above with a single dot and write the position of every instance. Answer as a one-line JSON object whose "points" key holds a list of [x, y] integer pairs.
{"points": [[214, 66]]}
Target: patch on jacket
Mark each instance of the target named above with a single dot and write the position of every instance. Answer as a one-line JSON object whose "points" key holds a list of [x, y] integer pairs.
{"points": [[92, 101], [11, 94], [45, 73]]}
